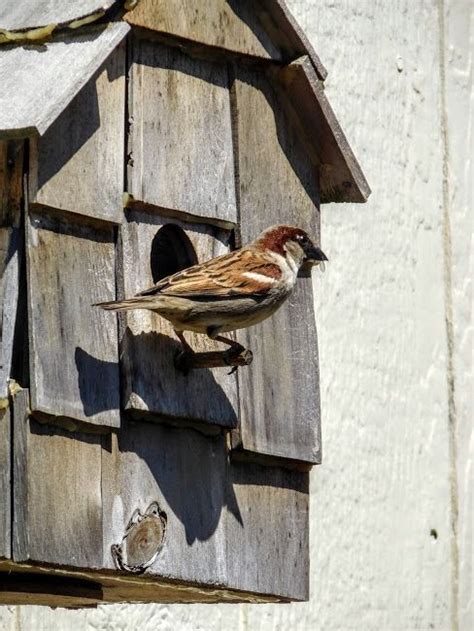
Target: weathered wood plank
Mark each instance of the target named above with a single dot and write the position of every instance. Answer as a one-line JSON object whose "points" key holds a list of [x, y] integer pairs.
{"points": [[180, 136], [264, 29], [39, 81], [73, 345], [78, 164], [341, 178], [239, 526], [5, 483], [56, 493], [20, 525], [185, 473], [152, 382], [115, 588], [19, 16], [230, 25], [267, 550], [11, 172], [279, 392], [284, 28]]}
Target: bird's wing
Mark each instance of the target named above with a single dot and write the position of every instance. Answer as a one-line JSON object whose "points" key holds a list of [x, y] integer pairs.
{"points": [[241, 273]]}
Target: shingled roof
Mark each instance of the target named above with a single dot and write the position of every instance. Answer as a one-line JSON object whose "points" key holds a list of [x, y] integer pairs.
{"points": [[51, 48]]}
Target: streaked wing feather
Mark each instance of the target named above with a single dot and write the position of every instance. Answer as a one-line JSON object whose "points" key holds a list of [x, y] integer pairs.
{"points": [[219, 277]]}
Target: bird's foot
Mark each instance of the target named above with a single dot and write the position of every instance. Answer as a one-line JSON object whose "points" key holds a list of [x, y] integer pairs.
{"points": [[237, 351]]}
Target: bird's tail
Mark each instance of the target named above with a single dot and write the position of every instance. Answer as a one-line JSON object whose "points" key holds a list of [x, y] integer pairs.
{"points": [[125, 305]]}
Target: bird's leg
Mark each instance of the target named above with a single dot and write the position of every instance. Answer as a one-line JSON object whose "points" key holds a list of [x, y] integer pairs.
{"points": [[182, 357], [213, 333], [235, 350], [184, 344], [235, 346]]}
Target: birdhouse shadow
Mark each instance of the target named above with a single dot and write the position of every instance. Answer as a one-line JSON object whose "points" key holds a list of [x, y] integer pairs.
{"points": [[53, 156], [246, 12], [150, 376]]}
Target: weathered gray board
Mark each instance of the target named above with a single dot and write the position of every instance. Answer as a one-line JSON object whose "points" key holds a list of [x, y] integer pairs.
{"points": [[341, 178], [16, 16], [185, 472], [264, 29], [279, 392], [39, 81], [152, 383], [78, 164], [11, 174], [73, 345], [236, 525], [229, 25], [180, 142], [57, 499], [283, 28], [269, 550], [5, 483]]}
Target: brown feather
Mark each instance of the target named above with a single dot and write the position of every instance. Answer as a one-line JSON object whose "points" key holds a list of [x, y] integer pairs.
{"points": [[221, 276]]}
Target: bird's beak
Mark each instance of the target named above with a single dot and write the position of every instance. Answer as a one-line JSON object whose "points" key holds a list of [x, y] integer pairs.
{"points": [[315, 254]]}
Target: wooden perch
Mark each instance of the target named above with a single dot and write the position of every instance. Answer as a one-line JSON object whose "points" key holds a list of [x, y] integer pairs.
{"points": [[186, 360]]}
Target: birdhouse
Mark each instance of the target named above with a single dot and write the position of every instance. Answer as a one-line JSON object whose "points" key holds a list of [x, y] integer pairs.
{"points": [[136, 141]]}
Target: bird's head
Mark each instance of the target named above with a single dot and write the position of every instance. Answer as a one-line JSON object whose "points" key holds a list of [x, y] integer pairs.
{"points": [[292, 243]]}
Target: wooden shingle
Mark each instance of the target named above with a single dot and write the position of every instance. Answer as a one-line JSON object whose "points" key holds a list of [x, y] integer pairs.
{"points": [[39, 81]]}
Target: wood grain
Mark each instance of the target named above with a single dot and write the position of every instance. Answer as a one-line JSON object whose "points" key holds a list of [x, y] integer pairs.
{"points": [[180, 136], [264, 29], [5, 483], [229, 25], [11, 174], [268, 550], [65, 587], [279, 392], [152, 383], [341, 178], [56, 493], [20, 410], [239, 526], [78, 164], [73, 345], [39, 81], [284, 29], [185, 473]]}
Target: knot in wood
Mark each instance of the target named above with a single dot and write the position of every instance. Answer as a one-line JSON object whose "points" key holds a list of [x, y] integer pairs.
{"points": [[142, 541]]}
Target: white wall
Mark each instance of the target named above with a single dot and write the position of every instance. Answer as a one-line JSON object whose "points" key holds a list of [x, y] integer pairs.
{"points": [[390, 529]]}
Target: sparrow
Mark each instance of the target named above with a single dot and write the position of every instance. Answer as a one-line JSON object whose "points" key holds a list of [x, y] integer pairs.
{"points": [[232, 291]]}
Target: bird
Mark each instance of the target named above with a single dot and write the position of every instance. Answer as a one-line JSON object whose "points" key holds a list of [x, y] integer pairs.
{"points": [[232, 291]]}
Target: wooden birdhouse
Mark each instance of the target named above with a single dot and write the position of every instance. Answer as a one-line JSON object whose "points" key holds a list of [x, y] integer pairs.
{"points": [[138, 140]]}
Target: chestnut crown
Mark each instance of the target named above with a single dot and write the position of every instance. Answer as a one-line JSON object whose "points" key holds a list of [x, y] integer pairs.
{"points": [[279, 238]]}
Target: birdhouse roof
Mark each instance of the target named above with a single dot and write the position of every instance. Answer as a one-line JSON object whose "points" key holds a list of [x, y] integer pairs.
{"points": [[49, 51]]}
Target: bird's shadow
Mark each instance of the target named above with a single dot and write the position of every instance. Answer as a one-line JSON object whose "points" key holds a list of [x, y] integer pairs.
{"points": [[152, 384], [152, 381], [191, 473]]}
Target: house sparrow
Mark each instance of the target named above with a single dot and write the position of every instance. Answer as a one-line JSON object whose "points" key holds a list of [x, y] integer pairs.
{"points": [[232, 291]]}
